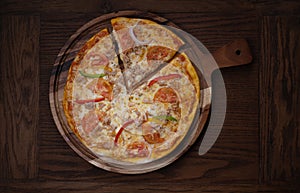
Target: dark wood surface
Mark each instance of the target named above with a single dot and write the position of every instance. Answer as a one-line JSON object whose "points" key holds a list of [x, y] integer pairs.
{"points": [[259, 146]]}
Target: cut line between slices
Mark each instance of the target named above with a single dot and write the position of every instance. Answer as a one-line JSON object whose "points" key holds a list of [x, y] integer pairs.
{"points": [[116, 43]]}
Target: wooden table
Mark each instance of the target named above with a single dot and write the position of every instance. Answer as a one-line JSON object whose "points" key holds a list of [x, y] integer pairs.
{"points": [[258, 149]]}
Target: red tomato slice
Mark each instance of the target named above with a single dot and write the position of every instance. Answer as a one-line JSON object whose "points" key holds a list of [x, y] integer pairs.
{"points": [[166, 77], [166, 95], [158, 53], [151, 135], [104, 88]]}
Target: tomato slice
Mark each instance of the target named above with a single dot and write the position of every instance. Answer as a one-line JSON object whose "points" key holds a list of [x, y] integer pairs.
{"points": [[153, 138], [166, 95], [137, 149], [151, 135], [90, 121], [104, 88], [159, 53], [166, 77]]}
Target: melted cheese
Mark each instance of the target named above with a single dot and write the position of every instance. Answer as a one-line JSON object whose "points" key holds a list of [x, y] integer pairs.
{"points": [[137, 105]]}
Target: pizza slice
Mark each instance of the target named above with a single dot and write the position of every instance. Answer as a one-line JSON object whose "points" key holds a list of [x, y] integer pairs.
{"points": [[94, 82], [144, 47]]}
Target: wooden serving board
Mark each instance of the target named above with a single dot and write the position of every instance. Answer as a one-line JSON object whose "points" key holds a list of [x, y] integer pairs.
{"points": [[78, 39]]}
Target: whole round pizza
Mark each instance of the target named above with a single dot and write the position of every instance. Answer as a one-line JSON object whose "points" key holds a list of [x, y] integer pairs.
{"points": [[131, 95]]}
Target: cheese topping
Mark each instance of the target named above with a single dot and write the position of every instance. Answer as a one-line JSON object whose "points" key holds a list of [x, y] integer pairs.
{"points": [[138, 125]]}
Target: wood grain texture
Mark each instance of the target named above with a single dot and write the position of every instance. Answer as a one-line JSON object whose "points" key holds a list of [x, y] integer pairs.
{"points": [[258, 143], [262, 7], [280, 88], [19, 96], [137, 187], [229, 159]]}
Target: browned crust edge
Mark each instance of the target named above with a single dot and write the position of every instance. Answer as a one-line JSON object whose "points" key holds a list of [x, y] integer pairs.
{"points": [[68, 92]]}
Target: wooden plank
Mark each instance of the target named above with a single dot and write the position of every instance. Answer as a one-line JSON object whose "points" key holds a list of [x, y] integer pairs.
{"points": [[233, 159], [19, 96], [278, 8], [227, 162], [138, 186], [18, 7], [105, 6], [280, 99]]}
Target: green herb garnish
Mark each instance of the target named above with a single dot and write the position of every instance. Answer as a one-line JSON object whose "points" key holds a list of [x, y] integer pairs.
{"points": [[91, 75], [165, 117]]}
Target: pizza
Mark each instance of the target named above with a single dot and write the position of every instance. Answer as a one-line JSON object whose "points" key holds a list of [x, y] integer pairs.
{"points": [[130, 95]]}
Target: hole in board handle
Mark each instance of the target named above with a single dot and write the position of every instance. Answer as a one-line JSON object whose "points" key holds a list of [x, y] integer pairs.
{"points": [[238, 52]]}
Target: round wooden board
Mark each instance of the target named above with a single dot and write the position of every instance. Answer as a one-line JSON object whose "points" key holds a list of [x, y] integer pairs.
{"points": [[56, 92]]}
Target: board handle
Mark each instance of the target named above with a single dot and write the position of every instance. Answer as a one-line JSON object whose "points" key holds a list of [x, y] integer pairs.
{"points": [[235, 53]]}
